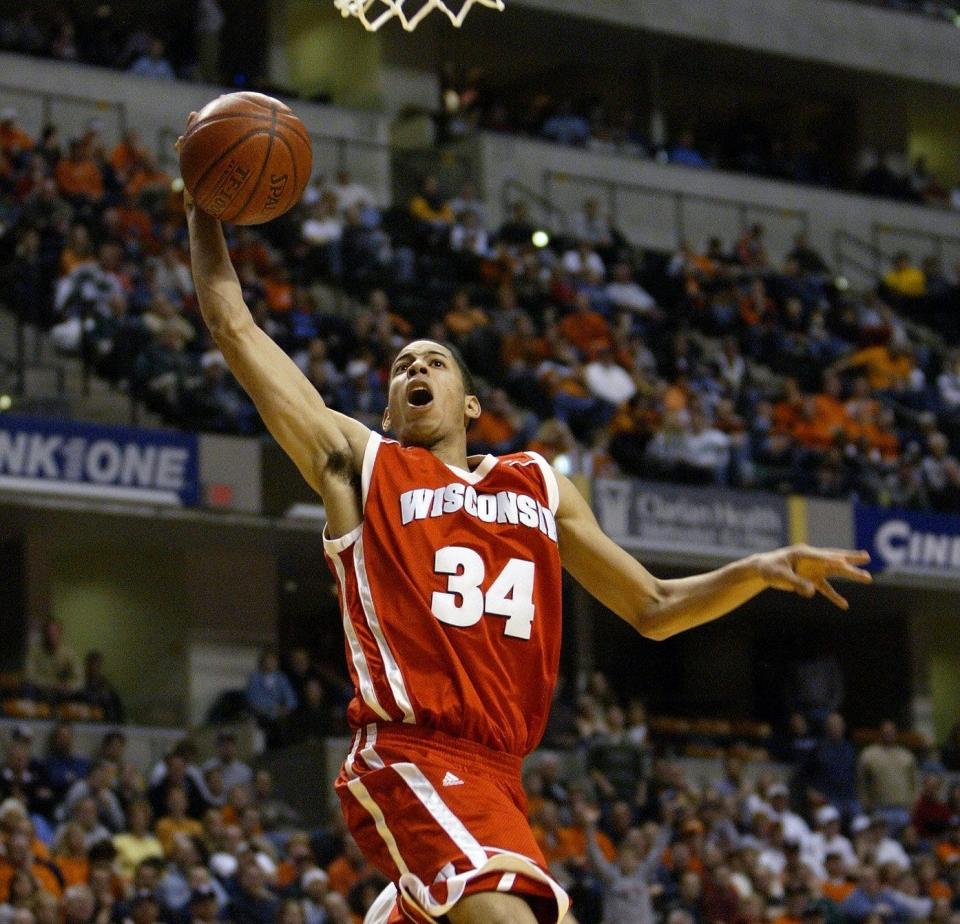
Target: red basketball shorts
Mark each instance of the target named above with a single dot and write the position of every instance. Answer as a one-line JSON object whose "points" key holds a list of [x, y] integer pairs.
{"points": [[442, 819]]}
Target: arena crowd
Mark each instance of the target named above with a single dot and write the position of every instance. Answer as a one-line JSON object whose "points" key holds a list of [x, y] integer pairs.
{"points": [[711, 365], [807, 828]]}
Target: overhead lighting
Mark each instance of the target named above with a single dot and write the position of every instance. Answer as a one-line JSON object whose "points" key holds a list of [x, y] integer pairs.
{"points": [[6, 402], [540, 239], [842, 283]]}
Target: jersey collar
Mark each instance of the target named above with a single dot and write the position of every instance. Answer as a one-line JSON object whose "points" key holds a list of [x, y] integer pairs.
{"points": [[478, 473]]}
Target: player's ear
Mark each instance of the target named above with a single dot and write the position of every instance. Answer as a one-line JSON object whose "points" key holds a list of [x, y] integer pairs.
{"points": [[471, 408], [386, 420]]}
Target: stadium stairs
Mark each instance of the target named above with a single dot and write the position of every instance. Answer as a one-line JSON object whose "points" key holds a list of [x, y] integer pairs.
{"points": [[55, 385]]}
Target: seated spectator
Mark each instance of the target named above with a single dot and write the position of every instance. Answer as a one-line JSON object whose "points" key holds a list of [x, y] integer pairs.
{"points": [[98, 786], [614, 761], [585, 328], [940, 471], [137, 843], [431, 207], [98, 690], [322, 231], [19, 858], [592, 226], [566, 126], [808, 260], [154, 63], [518, 229], [70, 855], [608, 380], [583, 261], [887, 368], [176, 771], [50, 661], [686, 154], [79, 177], [871, 897], [469, 201], [623, 291], [468, 236], [235, 771], [270, 696], [176, 821], [63, 766], [350, 194], [14, 141], [905, 279]]}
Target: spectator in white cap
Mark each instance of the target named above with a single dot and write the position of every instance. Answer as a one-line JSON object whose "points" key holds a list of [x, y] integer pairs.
{"points": [[794, 827], [315, 884], [828, 839]]}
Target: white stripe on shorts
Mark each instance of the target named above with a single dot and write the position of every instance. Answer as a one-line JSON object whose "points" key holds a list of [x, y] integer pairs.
{"points": [[454, 827], [362, 795], [367, 752]]}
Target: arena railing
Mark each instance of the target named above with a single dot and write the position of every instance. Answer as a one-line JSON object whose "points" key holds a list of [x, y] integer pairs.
{"points": [[556, 218], [80, 110], [743, 212], [331, 154], [893, 238]]}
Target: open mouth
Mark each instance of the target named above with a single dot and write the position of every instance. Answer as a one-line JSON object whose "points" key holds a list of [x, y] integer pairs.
{"points": [[419, 395]]}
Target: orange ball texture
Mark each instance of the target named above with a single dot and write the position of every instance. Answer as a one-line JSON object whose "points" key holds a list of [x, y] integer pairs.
{"points": [[246, 158]]}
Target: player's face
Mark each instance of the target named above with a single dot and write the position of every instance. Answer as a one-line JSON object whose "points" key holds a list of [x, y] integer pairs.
{"points": [[427, 401]]}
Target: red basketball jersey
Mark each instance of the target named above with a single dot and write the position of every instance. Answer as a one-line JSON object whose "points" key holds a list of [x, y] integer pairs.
{"points": [[450, 593]]}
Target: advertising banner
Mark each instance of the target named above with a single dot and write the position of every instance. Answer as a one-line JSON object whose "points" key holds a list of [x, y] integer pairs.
{"points": [[701, 521], [70, 458], [909, 541]]}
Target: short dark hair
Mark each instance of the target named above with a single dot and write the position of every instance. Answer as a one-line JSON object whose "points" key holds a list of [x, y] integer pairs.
{"points": [[469, 385]]}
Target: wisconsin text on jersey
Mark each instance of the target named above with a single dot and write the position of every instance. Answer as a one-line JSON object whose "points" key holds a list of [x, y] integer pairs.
{"points": [[502, 507]]}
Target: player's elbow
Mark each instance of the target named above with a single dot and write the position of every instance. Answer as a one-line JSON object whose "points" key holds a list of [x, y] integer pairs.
{"points": [[650, 618]]}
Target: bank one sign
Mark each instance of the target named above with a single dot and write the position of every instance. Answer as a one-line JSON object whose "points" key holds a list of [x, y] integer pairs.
{"points": [[908, 541], [73, 459]]}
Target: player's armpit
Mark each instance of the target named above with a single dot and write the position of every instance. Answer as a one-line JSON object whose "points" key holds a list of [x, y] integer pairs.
{"points": [[605, 570]]}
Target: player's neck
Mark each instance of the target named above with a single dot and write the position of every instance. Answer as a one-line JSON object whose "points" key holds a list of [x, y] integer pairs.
{"points": [[452, 450]]}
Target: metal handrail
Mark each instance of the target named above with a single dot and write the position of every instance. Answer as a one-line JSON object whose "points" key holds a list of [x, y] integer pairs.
{"points": [[48, 97], [679, 198], [166, 139], [843, 258], [939, 240], [551, 208]]}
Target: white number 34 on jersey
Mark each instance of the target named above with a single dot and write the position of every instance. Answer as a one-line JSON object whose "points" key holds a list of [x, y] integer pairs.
{"points": [[464, 603]]}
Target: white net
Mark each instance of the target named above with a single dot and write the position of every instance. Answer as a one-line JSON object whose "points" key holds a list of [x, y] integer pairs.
{"points": [[374, 13]]}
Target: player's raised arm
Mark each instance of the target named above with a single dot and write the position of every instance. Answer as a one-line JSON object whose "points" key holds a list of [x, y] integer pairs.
{"points": [[309, 432], [659, 609]]}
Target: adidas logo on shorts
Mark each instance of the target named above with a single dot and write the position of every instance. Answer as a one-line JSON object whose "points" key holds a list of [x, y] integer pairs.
{"points": [[451, 779]]}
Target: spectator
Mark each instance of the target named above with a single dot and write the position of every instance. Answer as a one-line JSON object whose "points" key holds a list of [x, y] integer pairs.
{"points": [[831, 769], [235, 771], [137, 843], [99, 691], [931, 814], [71, 856], [176, 820], [685, 154], [887, 778], [50, 661], [22, 776], [154, 63], [253, 902], [431, 207], [98, 786], [905, 279], [14, 141], [626, 882], [79, 177], [614, 761], [19, 858], [270, 696], [63, 766], [607, 380]]}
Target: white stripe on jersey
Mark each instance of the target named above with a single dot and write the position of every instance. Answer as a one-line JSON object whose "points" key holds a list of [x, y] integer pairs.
{"points": [[367, 691], [549, 480], [394, 676], [455, 828]]}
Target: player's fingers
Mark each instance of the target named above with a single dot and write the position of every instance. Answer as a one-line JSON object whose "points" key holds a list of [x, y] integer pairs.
{"points": [[853, 556], [849, 573], [787, 579], [831, 594]]}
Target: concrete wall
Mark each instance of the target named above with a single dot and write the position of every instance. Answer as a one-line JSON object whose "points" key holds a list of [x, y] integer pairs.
{"points": [[831, 31], [655, 204]]}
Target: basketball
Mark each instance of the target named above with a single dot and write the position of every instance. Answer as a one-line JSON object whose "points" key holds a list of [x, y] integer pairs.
{"points": [[246, 158]]}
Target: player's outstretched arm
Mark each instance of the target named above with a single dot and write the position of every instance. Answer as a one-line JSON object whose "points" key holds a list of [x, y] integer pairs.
{"points": [[658, 609], [309, 432]]}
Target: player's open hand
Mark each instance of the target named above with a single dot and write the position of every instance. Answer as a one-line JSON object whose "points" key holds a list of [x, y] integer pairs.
{"points": [[808, 571]]}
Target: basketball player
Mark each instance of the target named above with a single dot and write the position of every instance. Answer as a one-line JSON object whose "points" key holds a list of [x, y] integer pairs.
{"points": [[449, 577]]}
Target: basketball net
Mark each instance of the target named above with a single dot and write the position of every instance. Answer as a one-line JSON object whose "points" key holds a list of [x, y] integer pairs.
{"points": [[374, 13]]}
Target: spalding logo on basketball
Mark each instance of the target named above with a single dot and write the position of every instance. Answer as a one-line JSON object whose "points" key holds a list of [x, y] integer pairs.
{"points": [[246, 158]]}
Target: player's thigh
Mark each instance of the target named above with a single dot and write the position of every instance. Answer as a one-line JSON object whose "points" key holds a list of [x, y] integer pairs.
{"points": [[491, 908]]}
